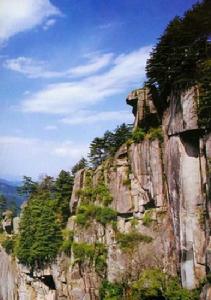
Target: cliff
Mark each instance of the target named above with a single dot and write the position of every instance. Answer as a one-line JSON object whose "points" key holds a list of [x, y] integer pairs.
{"points": [[147, 207]]}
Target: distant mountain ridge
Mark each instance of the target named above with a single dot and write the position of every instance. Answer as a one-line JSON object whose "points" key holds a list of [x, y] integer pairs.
{"points": [[9, 190]]}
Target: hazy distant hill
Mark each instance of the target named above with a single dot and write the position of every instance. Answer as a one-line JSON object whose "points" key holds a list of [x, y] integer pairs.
{"points": [[9, 190]]}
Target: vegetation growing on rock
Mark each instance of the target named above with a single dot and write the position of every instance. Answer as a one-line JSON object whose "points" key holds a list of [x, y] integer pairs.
{"points": [[154, 284], [128, 241], [147, 218], [110, 291], [63, 190], [68, 237], [151, 134], [92, 254], [82, 164], [182, 59], [102, 148], [40, 231], [8, 243], [42, 219], [103, 215]]}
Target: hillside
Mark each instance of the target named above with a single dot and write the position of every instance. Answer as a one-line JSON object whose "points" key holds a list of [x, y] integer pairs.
{"points": [[9, 190]]}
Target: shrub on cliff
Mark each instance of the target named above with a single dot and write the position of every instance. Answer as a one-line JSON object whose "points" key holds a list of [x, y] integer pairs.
{"points": [[128, 241], [93, 254], [109, 291], [154, 284], [138, 135], [8, 244], [68, 237], [86, 214]]}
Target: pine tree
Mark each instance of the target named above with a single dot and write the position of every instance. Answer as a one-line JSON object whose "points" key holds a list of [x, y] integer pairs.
{"points": [[28, 187], [63, 190], [83, 163], [40, 231]]}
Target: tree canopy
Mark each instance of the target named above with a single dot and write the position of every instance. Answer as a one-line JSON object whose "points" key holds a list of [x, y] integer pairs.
{"points": [[182, 58], [43, 218], [103, 147], [83, 163], [40, 231]]}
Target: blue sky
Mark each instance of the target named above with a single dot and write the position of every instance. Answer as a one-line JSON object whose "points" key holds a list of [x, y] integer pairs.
{"points": [[66, 69]]}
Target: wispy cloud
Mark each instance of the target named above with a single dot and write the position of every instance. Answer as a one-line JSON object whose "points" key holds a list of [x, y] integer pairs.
{"points": [[126, 72], [95, 64], [51, 127], [49, 23], [90, 117], [45, 156], [110, 25], [29, 67], [39, 69], [18, 16]]}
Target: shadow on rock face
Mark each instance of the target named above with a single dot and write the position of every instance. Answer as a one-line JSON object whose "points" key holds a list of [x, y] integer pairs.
{"points": [[190, 141]]}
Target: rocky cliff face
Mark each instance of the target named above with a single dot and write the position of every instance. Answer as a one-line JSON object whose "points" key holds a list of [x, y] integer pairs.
{"points": [[159, 189]]}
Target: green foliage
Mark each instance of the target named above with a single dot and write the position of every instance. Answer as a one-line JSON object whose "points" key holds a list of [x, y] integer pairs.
{"points": [[8, 244], [151, 134], [111, 291], [127, 182], [150, 285], [102, 148], [103, 194], [103, 215], [40, 230], [154, 284], [155, 133], [85, 214], [12, 206], [63, 189], [93, 254], [100, 192], [128, 241], [147, 218], [181, 59], [3, 204], [82, 164], [28, 187], [67, 241], [138, 135], [83, 252], [134, 222]]}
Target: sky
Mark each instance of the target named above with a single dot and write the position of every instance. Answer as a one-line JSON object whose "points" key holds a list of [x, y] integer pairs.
{"points": [[67, 67]]}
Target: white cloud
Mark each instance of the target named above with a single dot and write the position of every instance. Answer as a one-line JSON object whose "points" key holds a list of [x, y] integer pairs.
{"points": [[69, 150], [18, 16], [39, 69], [127, 71], [49, 23], [90, 117], [27, 156], [29, 67], [94, 65], [51, 127]]}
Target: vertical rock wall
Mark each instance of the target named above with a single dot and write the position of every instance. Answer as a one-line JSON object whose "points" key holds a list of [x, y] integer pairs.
{"points": [[185, 164]]}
